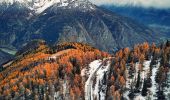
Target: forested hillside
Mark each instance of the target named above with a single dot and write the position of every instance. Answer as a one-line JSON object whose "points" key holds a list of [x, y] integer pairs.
{"points": [[41, 73], [75, 71]]}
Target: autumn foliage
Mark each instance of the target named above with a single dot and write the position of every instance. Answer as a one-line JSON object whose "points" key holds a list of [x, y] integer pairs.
{"points": [[47, 71], [33, 72]]}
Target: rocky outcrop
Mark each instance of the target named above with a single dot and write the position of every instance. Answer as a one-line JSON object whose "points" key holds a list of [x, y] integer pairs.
{"points": [[4, 57]]}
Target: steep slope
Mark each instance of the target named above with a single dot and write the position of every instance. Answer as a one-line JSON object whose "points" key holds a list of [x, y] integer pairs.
{"points": [[13, 19], [98, 27], [75, 21]]}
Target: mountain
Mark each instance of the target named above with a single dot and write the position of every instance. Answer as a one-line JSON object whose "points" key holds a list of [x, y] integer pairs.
{"points": [[68, 20], [76, 71], [146, 16], [38, 6], [157, 19]]}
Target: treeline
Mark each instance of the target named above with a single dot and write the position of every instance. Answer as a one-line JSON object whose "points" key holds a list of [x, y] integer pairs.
{"points": [[72, 45]]}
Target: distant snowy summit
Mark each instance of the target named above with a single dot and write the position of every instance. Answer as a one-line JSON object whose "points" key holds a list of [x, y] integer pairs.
{"points": [[38, 6]]}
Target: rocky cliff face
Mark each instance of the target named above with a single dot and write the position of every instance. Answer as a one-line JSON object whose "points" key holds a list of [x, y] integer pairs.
{"points": [[100, 28]]}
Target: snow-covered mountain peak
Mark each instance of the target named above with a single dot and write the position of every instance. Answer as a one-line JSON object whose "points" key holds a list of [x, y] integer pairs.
{"points": [[38, 6], [83, 5]]}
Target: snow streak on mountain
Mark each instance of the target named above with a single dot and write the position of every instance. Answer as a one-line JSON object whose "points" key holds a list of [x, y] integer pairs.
{"points": [[38, 6]]}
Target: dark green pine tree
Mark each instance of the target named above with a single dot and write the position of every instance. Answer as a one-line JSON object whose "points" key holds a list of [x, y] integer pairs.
{"points": [[138, 81], [167, 43], [144, 89]]}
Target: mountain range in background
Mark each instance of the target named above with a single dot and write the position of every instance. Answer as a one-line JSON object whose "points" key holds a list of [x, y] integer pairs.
{"points": [[156, 19]]}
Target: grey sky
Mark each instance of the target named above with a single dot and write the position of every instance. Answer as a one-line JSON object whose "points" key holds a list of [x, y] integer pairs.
{"points": [[143, 3]]}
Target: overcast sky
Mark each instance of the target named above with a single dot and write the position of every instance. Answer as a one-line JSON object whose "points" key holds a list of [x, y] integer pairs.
{"points": [[143, 3]]}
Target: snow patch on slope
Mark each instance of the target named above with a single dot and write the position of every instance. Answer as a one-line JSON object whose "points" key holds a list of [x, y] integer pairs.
{"points": [[40, 6], [153, 89], [94, 66], [36, 6], [143, 75], [167, 89], [101, 85], [95, 86]]}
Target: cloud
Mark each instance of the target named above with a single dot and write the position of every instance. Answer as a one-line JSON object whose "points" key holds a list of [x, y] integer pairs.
{"points": [[141, 3]]}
